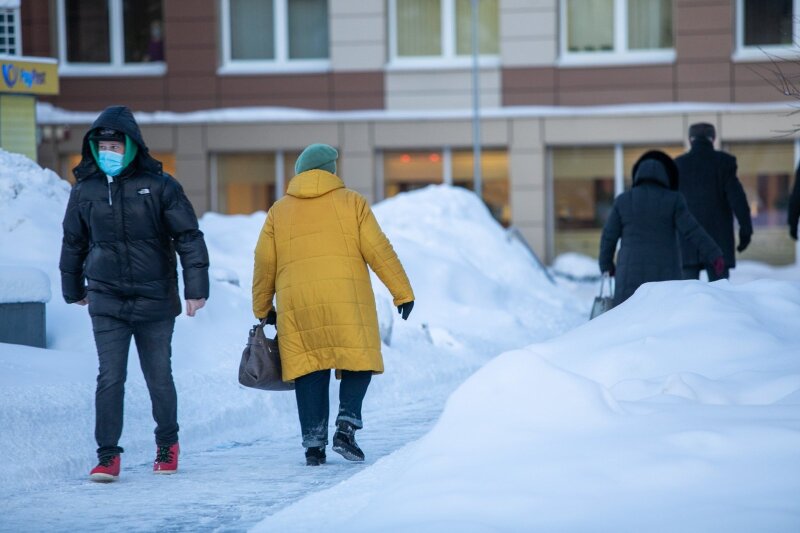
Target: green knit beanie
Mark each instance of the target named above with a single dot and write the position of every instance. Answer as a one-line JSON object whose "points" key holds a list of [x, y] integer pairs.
{"points": [[319, 156]]}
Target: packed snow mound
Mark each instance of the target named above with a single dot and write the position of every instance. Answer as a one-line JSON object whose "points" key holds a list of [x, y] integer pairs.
{"points": [[677, 411], [576, 266], [23, 284]]}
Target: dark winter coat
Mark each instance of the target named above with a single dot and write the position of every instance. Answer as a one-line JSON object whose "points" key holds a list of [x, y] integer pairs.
{"points": [[648, 219], [794, 204], [120, 238], [714, 194]]}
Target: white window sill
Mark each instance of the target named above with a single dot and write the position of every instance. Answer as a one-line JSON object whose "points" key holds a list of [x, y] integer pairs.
{"points": [[440, 63], [78, 70], [255, 68], [612, 59], [765, 54]]}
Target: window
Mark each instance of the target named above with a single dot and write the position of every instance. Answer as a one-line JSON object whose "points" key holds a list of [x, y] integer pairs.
{"points": [[10, 39], [426, 30], [765, 25], [244, 183], [409, 170], [274, 34], [766, 171], [616, 30], [111, 37]]}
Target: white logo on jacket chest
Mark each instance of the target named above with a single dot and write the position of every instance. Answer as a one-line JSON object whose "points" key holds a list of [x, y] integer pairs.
{"points": [[144, 191]]}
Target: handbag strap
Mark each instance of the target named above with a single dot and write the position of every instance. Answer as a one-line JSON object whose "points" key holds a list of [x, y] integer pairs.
{"points": [[603, 280]]}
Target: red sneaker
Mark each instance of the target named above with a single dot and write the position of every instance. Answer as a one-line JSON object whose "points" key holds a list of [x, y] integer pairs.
{"points": [[106, 471], [166, 459]]}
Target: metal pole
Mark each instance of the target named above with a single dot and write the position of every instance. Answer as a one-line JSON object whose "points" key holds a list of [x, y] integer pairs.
{"points": [[476, 122]]}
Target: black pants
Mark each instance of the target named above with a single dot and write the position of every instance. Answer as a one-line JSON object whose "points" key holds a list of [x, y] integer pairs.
{"points": [[153, 342], [313, 407], [693, 272]]}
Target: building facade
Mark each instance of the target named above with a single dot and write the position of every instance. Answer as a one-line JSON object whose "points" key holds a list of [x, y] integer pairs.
{"points": [[571, 93]]}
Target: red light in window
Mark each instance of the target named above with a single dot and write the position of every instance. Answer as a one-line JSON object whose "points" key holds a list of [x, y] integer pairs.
{"points": [[434, 158], [405, 158]]}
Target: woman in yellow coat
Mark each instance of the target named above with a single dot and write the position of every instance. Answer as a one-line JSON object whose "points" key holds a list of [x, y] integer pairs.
{"points": [[312, 256]]}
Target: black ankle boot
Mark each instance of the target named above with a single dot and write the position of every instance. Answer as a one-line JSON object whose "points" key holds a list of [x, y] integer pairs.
{"points": [[344, 442], [315, 456]]}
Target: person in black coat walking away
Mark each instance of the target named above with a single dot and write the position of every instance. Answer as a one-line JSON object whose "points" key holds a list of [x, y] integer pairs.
{"points": [[714, 195], [124, 222], [649, 219], [794, 205]]}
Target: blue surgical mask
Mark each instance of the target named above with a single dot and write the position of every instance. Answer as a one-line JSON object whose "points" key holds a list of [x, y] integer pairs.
{"points": [[110, 162]]}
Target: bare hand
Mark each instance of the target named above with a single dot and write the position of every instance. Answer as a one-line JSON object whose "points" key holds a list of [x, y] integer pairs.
{"points": [[193, 305], [85, 301]]}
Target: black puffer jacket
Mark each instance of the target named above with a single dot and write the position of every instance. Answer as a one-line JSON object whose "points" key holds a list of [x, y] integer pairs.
{"points": [[648, 219], [794, 204], [120, 238], [714, 194]]}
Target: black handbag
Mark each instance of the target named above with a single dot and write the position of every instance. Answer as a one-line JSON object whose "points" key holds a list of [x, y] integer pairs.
{"points": [[603, 303], [260, 367]]}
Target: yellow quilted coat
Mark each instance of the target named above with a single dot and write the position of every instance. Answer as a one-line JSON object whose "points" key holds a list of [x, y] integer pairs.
{"points": [[312, 255]]}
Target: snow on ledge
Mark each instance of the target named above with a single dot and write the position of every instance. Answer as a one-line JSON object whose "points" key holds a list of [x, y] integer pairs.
{"points": [[23, 284]]}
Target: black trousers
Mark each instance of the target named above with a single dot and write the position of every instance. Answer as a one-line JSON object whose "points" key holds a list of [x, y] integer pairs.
{"points": [[313, 406], [154, 344], [693, 272]]}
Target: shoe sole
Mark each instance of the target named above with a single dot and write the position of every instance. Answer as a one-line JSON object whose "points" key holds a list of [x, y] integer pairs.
{"points": [[347, 454], [165, 472], [103, 478]]}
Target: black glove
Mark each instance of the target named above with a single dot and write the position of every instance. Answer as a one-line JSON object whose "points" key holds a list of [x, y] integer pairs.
{"points": [[793, 232], [272, 317], [405, 309], [744, 241]]}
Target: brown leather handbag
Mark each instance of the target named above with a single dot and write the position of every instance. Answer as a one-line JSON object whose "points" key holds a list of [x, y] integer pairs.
{"points": [[260, 367]]}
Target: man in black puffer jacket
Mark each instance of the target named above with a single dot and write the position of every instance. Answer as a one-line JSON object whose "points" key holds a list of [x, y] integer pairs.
{"points": [[714, 195], [649, 219], [125, 220]]}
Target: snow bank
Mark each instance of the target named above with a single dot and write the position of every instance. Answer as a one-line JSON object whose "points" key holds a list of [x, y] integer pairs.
{"points": [[18, 284], [677, 411]]}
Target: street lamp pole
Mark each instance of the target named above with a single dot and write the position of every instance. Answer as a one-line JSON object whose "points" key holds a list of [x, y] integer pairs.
{"points": [[476, 122]]}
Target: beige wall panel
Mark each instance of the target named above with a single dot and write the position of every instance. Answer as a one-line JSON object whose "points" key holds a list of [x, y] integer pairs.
{"points": [[356, 138], [239, 137], [159, 138], [527, 171], [357, 56], [526, 133], [440, 89], [359, 174], [529, 207], [608, 130], [751, 126], [525, 5], [441, 100], [199, 201], [192, 172], [357, 28], [528, 23], [356, 7], [190, 140], [541, 51], [390, 135]]}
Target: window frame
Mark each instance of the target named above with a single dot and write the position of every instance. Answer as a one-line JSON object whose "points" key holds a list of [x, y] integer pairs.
{"points": [[448, 58], [762, 53], [117, 67], [282, 61], [621, 55], [17, 12]]}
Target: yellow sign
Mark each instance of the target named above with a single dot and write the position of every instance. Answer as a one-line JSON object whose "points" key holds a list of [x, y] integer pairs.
{"points": [[28, 76]]}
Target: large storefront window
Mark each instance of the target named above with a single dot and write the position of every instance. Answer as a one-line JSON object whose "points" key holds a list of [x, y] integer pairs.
{"points": [[766, 171], [583, 193], [409, 170], [111, 34], [245, 183]]}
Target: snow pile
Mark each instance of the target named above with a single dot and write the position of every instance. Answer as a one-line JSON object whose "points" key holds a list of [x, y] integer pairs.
{"points": [[470, 282], [577, 267], [18, 284], [677, 411]]}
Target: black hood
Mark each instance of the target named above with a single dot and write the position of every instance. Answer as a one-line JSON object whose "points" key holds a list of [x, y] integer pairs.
{"points": [[118, 118], [656, 167]]}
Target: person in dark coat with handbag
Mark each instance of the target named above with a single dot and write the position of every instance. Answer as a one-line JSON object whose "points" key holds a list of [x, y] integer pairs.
{"points": [[794, 205], [124, 222], [649, 219], [714, 195]]}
